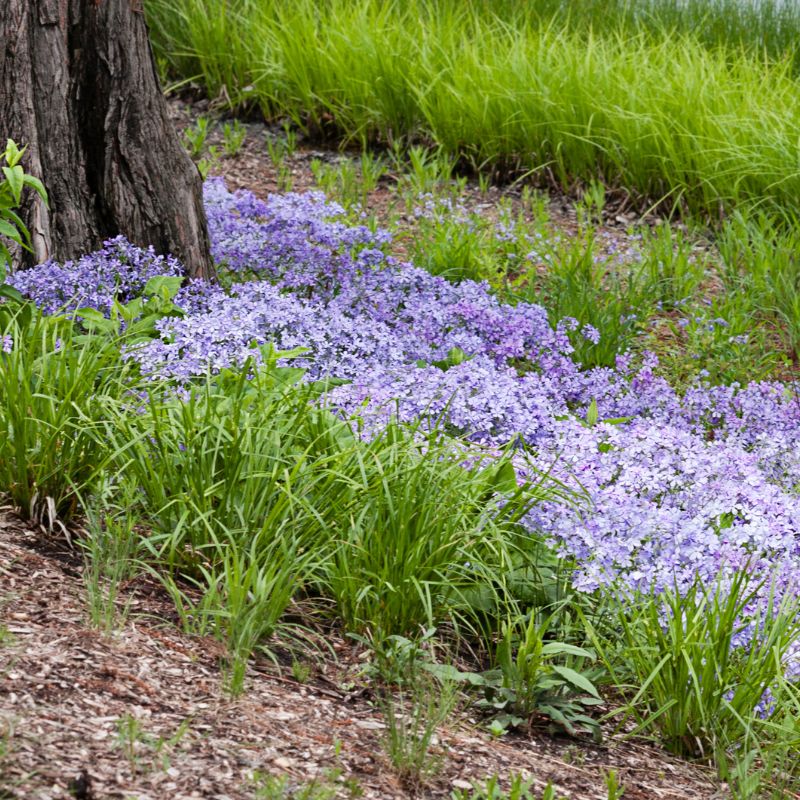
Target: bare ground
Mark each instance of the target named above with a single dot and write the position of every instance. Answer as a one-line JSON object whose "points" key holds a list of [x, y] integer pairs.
{"points": [[142, 713]]}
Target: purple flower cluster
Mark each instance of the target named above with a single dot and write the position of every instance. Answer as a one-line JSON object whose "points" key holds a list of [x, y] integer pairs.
{"points": [[668, 486], [118, 271]]}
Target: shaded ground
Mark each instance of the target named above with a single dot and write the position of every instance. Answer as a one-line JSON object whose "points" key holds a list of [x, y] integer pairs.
{"points": [[252, 169], [142, 713]]}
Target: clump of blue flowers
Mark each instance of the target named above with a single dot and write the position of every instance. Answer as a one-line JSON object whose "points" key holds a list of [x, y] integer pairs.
{"points": [[674, 485]]}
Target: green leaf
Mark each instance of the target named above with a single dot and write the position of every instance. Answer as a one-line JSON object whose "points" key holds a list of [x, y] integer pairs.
{"points": [[576, 679], [164, 286], [9, 292], [448, 672], [592, 414], [15, 177], [36, 185], [564, 649], [94, 320], [12, 154], [10, 232], [504, 479]]}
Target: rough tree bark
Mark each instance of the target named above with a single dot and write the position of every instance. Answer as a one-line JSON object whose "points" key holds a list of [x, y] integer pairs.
{"points": [[78, 86]]}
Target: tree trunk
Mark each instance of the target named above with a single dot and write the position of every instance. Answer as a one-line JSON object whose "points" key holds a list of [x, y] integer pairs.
{"points": [[78, 86]]}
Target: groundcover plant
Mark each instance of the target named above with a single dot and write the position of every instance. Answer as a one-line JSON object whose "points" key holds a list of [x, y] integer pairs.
{"points": [[669, 486]]}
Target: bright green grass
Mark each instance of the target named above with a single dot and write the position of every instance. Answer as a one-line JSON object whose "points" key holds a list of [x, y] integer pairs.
{"points": [[771, 27], [667, 118]]}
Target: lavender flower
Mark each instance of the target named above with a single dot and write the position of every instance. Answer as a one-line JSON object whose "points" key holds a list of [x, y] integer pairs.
{"points": [[685, 485]]}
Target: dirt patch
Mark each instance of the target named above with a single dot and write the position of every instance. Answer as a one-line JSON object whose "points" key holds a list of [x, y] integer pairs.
{"points": [[143, 712]]}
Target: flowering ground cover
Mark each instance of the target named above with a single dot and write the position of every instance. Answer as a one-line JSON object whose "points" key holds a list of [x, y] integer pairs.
{"points": [[646, 531], [667, 485]]}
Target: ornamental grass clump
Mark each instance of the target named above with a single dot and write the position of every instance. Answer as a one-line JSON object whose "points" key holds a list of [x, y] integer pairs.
{"points": [[706, 662], [56, 385], [651, 109], [236, 455], [419, 524]]}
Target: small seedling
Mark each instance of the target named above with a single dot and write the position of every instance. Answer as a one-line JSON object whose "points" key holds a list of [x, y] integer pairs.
{"points": [[537, 204], [195, 137], [291, 139], [373, 168], [519, 789], [233, 137], [280, 787], [133, 740], [613, 786], [209, 162], [284, 178], [412, 718], [129, 735], [109, 552], [280, 148], [300, 672], [6, 637], [592, 203]]}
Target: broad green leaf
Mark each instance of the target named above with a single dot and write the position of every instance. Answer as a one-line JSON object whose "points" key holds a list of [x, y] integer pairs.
{"points": [[564, 649], [15, 177], [36, 185], [165, 286], [576, 679], [12, 154], [9, 231]]}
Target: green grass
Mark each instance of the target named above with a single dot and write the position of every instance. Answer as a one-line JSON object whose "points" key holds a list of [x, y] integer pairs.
{"points": [[54, 388], [247, 475], [666, 117], [691, 684]]}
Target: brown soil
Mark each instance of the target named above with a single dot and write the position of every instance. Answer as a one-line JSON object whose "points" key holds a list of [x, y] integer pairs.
{"points": [[66, 692]]}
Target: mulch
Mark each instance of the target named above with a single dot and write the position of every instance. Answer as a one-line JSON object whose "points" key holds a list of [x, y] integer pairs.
{"points": [[143, 712]]}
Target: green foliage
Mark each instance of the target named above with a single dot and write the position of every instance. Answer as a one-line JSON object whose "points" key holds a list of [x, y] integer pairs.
{"points": [[692, 685], [535, 674], [281, 148], [196, 136], [223, 460], [415, 528], [241, 594], [347, 181], [518, 789], [55, 386], [454, 249], [11, 225], [672, 272], [110, 550], [143, 751], [274, 787], [233, 136], [612, 299], [413, 712], [760, 269]]}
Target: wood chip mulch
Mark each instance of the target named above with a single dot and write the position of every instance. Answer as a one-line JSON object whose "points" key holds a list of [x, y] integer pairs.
{"points": [[143, 713]]}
